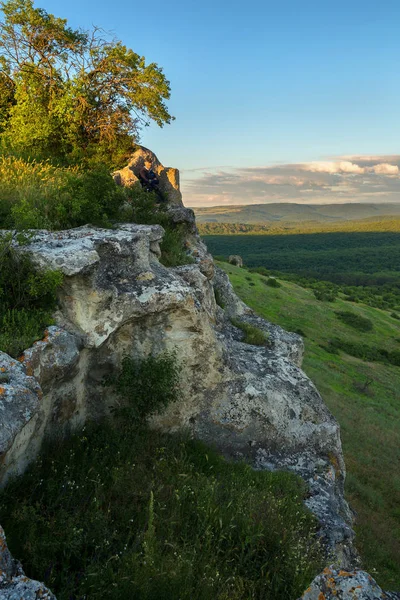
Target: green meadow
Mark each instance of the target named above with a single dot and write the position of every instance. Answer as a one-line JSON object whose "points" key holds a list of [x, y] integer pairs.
{"points": [[363, 396]]}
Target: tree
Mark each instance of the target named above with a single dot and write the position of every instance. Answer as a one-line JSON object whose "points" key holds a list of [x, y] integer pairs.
{"points": [[71, 93]]}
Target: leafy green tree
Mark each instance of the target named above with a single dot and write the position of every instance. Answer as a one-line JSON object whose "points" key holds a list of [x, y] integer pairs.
{"points": [[69, 93]]}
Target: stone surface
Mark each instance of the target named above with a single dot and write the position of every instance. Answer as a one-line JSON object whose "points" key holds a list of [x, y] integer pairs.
{"points": [[236, 260], [334, 584], [14, 585], [27, 406], [251, 402], [168, 177]]}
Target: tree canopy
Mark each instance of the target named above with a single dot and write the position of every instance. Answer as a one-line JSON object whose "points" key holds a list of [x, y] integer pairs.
{"points": [[72, 94]]}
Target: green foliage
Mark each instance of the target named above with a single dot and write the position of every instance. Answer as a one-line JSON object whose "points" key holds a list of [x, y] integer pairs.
{"points": [[365, 352], [252, 335], [19, 329], [325, 295], [272, 282], [27, 299], [146, 386], [133, 513], [363, 266], [72, 94], [143, 208], [355, 321], [395, 315], [35, 195], [173, 252]]}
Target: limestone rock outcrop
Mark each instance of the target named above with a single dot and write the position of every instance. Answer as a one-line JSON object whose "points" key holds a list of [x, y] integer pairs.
{"points": [[251, 402], [168, 177], [117, 299]]}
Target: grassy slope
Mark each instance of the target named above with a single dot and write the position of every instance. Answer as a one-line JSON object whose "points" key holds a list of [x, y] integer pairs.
{"points": [[369, 421]]}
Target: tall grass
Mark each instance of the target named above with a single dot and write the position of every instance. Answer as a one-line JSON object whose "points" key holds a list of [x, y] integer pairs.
{"points": [[138, 514]]}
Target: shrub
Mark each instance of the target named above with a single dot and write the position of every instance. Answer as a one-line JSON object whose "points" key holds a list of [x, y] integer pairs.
{"points": [[325, 295], [173, 252], [135, 513], [355, 321], [38, 195], [272, 282], [364, 352], [395, 316], [147, 386], [252, 335], [27, 299], [19, 329]]}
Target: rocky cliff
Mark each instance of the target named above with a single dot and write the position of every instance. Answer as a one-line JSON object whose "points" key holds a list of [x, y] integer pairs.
{"points": [[117, 299]]}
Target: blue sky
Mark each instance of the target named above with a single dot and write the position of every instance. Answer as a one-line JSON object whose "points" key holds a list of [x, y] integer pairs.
{"points": [[265, 84]]}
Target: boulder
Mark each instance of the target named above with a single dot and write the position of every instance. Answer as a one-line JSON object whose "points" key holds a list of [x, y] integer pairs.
{"points": [[169, 177], [236, 260], [336, 584]]}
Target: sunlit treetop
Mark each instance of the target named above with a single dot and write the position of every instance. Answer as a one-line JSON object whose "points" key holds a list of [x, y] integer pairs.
{"points": [[72, 93]]}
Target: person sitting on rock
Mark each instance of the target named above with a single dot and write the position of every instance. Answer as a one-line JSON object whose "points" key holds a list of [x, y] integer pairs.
{"points": [[149, 180]]}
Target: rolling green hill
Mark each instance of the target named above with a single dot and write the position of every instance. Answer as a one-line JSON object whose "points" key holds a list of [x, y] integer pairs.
{"points": [[363, 396], [275, 212]]}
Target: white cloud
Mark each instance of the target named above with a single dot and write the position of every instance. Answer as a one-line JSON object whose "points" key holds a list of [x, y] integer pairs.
{"points": [[363, 179], [386, 169], [343, 166]]}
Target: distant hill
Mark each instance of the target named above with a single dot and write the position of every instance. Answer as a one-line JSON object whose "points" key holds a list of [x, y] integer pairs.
{"points": [[323, 213]]}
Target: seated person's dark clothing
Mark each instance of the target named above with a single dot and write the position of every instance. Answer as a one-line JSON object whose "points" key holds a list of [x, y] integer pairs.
{"points": [[148, 178], [149, 182]]}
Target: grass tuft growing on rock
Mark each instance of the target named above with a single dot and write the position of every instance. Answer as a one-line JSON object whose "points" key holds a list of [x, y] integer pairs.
{"points": [[252, 335]]}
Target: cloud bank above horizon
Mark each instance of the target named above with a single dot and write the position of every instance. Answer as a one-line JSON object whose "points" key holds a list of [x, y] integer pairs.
{"points": [[341, 180]]}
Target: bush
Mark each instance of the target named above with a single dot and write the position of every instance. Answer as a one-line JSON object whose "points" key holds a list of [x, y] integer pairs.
{"points": [[364, 352], [272, 282], [19, 329], [173, 252], [252, 335], [325, 295], [117, 514], [146, 386], [355, 321], [38, 195], [395, 316], [27, 299]]}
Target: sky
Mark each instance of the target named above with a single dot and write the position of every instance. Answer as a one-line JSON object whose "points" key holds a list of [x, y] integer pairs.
{"points": [[292, 101]]}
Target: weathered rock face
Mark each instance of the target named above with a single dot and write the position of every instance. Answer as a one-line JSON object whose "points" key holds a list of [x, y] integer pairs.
{"points": [[253, 403], [334, 584], [116, 300], [168, 177], [14, 585], [236, 260]]}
